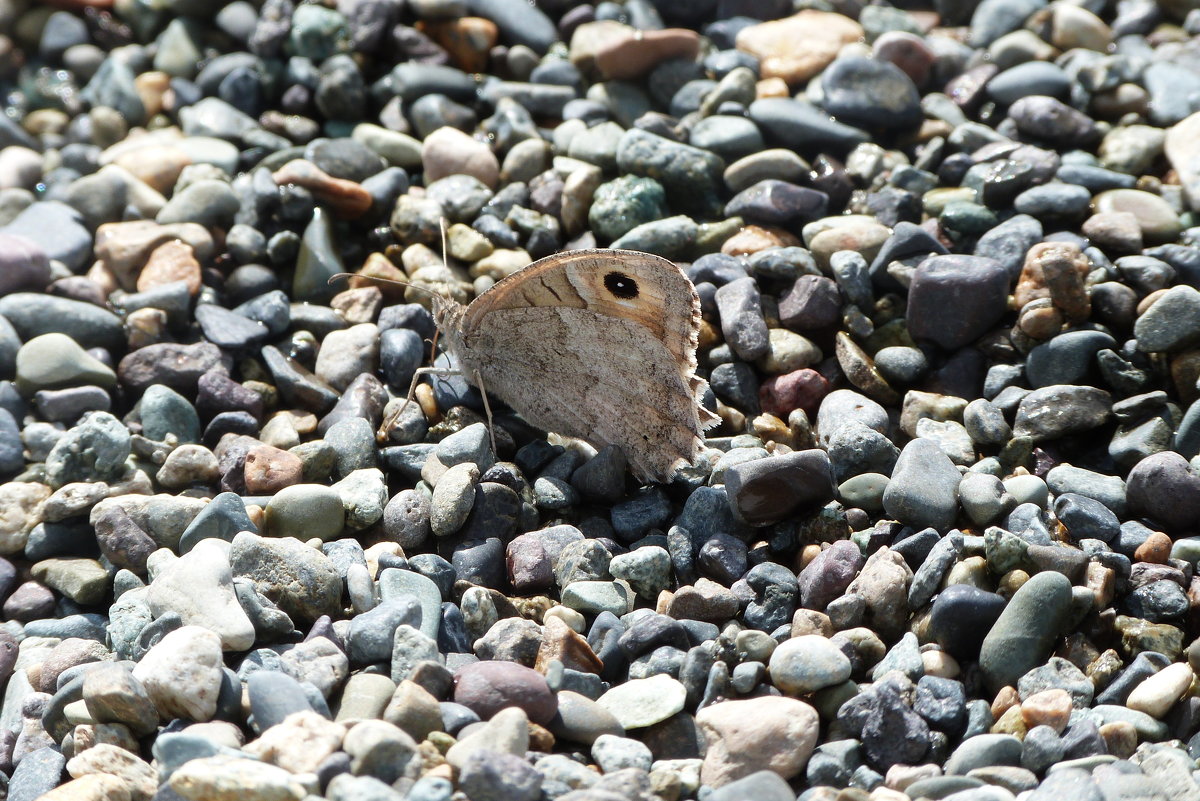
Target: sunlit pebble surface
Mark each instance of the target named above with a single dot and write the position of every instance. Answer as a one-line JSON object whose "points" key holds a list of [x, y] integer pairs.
{"points": [[941, 546]]}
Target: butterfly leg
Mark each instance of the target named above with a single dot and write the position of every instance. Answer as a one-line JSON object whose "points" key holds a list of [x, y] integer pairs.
{"points": [[487, 410], [424, 371]]}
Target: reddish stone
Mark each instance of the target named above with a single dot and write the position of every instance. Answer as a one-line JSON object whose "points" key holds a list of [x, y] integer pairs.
{"points": [[487, 687], [269, 469], [799, 389]]}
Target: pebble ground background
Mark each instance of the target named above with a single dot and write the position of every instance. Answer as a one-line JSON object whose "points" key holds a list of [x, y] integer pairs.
{"points": [[943, 545]]}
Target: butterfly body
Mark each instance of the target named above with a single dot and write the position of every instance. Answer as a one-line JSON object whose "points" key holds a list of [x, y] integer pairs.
{"points": [[594, 344]]}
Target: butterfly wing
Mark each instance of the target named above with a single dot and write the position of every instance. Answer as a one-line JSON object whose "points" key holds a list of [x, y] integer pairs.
{"points": [[603, 379], [597, 344]]}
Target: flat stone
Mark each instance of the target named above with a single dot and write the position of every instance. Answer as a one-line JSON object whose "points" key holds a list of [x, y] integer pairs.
{"points": [[639, 703]]}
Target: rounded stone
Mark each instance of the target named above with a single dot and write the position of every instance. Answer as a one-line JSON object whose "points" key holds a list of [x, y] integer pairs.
{"points": [[808, 663], [488, 687]]}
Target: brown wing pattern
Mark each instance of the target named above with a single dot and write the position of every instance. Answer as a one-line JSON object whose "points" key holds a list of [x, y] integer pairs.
{"points": [[603, 379]]}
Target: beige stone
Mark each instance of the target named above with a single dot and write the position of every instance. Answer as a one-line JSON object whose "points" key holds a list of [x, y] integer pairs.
{"points": [[756, 734], [798, 47], [1156, 694], [138, 777], [299, 743]]}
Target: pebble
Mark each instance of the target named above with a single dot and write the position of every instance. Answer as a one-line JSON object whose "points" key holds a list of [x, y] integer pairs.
{"points": [[746, 736], [640, 703], [808, 663], [1021, 635]]}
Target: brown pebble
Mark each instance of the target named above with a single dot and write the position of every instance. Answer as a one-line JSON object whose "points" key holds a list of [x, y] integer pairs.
{"points": [[753, 238], [379, 266], [360, 305], [1120, 738], [1145, 303], [1056, 270], [540, 739], [860, 371], [1156, 549], [1115, 231], [1048, 708], [347, 199], [269, 470], [810, 621], [125, 247], [561, 642], [637, 52], [468, 40], [170, 262], [1007, 697], [1040, 319]]}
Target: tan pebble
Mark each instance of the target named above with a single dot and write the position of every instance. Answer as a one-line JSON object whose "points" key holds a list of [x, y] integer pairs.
{"points": [[1011, 581], [151, 88], [1074, 27], [92, 787], [1048, 708], [1011, 722], [753, 238], [156, 165], [798, 47], [1102, 582], [863, 236], [771, 87], [770, 428], [940, 664], [145, 327], [1127, 98], [449, 151], [807, 554], [1155, 216], [899, 777], [1156, 694], [125, 247], [810, 621], [1039, 319], [358, 305]]}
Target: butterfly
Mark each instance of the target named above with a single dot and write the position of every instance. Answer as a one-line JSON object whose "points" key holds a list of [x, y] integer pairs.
{"points": [[595, 344]]}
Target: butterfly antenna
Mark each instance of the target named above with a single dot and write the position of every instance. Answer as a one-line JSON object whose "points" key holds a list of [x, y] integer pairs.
{"points": [[442, 225], [383, 280]]}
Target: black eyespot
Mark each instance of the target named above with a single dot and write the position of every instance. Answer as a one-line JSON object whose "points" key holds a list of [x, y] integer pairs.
{"points": [[621, 285]]}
